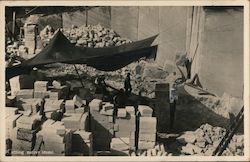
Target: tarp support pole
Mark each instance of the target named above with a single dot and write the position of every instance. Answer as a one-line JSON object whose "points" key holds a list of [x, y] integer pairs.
{"points": [[86, 14], [78, 75], [14, 24]]}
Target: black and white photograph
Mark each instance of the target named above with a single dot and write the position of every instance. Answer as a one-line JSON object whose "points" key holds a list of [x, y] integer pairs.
{"points": [[124, 80]]}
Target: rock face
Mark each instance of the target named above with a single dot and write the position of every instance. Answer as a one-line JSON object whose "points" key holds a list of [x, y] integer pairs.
{"points": [[154, 71], [205, 139]]}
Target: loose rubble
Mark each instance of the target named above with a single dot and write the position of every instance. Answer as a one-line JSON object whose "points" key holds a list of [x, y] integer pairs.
{"points": [[205, 139], [90, 36], [94, 36]]}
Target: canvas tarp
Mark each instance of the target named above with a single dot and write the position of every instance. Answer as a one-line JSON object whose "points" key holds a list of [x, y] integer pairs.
{"points": [[106, 59]]}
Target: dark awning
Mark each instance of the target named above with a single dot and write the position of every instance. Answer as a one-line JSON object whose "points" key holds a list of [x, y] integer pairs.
{"points": [[106, 59]]}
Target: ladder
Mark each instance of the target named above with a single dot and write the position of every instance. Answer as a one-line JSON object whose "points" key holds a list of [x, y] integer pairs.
{"points": [[229, 134]]}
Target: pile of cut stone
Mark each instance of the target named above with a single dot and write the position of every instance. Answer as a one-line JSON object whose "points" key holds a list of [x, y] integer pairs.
{"points": [[124, 131], [205, 139], [44, 112], [94, 36], [158, 150]]}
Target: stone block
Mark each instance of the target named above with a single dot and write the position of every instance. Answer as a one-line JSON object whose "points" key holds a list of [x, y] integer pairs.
{"points": [[27, 135], [80, 110], [199, 132], [208, 139], [187, 150], [132, 139], [75, 121], [120, 134], [210, 151], [41, 86], [145, 145], [27, 107], [145, 111], [69, 105], [201, 144], [116, 127], [53, 105], [130, 110], [110, 119], [11, 111], [77, 101], [24, 94], [35, 104], [200, 139], [25, 126], [48, 114], [72, 121], [107, 112], [191, 149], [41, 94], [108, 106], [120, 144], [82, 135], [125, 126], [187, 137], [22, 145], [12, 120], [84, 122], [147, 136], [122, 113], [147, 124], [55, 94], [61, 132], [20, 82], [95, 105], [56, 84]]}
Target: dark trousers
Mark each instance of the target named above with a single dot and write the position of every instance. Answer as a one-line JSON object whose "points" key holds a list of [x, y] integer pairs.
{"points": [[172, 114]]}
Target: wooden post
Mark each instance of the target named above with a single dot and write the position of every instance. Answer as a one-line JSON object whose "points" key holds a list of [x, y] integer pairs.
{"points": [[86, 14], [13, 23]]}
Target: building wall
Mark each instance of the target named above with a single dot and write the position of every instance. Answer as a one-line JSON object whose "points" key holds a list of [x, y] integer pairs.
{"points": [[220, 66], [124, 20], [173, 22], [218, 59], [95, 16], [141, 22]]}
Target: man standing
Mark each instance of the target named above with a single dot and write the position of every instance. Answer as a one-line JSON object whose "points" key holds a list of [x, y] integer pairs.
{"points": [[127, 84], [172, 101]]}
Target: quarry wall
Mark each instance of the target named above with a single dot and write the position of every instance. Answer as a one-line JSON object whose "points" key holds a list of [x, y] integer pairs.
{"points": [[219, 56]]}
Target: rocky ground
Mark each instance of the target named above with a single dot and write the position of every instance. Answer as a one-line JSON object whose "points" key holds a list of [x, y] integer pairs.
{"points": [[204, 138]]}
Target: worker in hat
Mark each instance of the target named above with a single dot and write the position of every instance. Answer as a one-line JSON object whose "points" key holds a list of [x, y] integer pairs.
{"points": [[127, 84]]}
